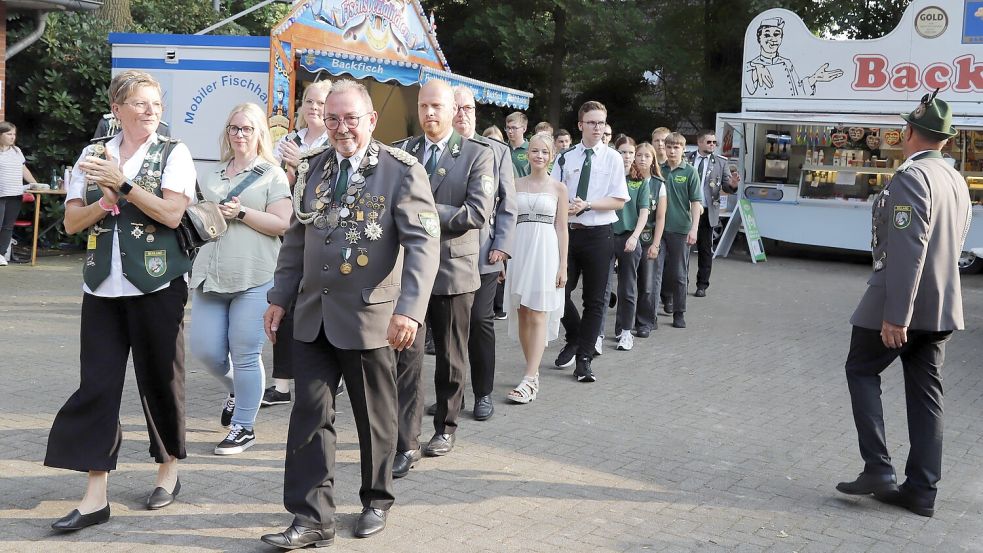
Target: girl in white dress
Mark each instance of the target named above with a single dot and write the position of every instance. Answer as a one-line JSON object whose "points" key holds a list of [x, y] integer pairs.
{"points": [[537, 271]]}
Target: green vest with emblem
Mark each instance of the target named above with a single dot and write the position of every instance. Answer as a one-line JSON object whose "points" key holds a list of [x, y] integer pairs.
{"points": [[148, 249]]}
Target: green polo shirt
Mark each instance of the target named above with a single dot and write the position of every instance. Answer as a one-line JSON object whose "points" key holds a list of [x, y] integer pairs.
{"points": [[520, 159], [682, 187], [639, 198]]}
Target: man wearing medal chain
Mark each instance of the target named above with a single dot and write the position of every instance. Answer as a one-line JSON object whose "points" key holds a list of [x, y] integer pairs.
{"points": [[360, 260], [461, 178]]}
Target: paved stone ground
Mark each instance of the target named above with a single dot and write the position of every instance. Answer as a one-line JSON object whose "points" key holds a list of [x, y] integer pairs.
{"points": [[726, 436]]}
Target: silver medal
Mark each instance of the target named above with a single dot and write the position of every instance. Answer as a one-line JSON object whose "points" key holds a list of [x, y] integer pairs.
{"points": [[320, 222]]}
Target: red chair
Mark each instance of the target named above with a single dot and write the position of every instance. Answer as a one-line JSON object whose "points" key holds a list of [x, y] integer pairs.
{"points": [[27, 198]]}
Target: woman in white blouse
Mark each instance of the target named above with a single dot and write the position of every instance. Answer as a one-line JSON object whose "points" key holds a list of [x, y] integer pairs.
{"points": [[13, 173], [129, 194]]}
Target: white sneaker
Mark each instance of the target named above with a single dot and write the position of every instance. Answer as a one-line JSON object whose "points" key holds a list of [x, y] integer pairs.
{"points": [[598, 345], [617, 335], [626, 342], [3, 261]]}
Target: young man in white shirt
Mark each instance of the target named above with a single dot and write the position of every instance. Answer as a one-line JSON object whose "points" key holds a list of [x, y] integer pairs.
{"points": [[595, 179]]}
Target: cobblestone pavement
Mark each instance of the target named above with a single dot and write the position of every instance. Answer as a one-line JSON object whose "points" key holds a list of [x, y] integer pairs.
{"points": [[726, 436]]}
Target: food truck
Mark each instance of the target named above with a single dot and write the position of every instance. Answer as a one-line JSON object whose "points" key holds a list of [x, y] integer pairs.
{"points": [[389, 45], [819, 132]]}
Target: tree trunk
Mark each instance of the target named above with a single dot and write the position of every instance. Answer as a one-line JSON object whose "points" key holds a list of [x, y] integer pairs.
{"points": [[117, 12], [559, 51]]}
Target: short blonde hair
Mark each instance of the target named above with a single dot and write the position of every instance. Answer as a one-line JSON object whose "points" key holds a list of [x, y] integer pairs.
{"points": [[125, 83], [547, 139], [517, 117], [319, 86], [676, 139], [257, 118]]}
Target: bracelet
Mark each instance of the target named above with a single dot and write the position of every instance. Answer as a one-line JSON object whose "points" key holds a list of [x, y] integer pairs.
{"points": [[113, 209]]}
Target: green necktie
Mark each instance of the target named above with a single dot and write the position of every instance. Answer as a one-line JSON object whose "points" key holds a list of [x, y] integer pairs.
{"points": [[584, 175], [342, 186], [432, 162]]}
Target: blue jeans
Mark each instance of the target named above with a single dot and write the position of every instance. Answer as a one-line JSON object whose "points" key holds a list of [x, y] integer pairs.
{"points": [[226, 332]]}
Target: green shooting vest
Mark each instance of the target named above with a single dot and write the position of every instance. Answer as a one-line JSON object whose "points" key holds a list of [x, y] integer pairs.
{"points": [[148, 250]]}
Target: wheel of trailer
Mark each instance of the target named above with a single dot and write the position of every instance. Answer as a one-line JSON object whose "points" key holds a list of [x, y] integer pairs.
{"points": [[970, 263]]}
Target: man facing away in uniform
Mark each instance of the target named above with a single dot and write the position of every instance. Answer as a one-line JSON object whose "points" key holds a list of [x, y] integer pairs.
{"points": [[714, 175], [359, 259], [461, 179], [515, 129], [912, 304], [595, 179], [496, 247]]}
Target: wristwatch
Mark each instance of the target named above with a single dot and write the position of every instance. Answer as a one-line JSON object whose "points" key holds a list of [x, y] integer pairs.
{"points": [[125, 187], [242, 213]]}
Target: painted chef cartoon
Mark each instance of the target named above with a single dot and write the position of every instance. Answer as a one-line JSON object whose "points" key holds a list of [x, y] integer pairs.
{"points": [[770, 74]]}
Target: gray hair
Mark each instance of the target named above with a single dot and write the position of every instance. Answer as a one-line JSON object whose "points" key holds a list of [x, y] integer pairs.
{"points": [[347, 85]]}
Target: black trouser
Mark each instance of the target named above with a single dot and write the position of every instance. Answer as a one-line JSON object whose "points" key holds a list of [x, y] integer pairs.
{"points": [[9, 208], [481, 339], [589, 255], [500, 298], [409, 387], [86, 433], [704, 248], [649, 285], [283, 349], [450, 319], [627, 282], [308, 477], [676, 270], [921, 360]]}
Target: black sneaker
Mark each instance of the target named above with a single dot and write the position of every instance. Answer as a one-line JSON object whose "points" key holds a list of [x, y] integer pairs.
{"points": [[501, 316], [239, 439], [565, 359], [272, 396], [678, 321], [228, 408], [583, 372]]}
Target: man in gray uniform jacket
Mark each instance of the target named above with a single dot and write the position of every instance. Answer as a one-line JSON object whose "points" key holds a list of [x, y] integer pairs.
{"points": [[461, 178], [360, 260], [912, 304]]}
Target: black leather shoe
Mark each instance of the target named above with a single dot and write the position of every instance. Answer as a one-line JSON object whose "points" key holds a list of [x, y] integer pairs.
{"points": [[440, 444], [583, 371], [483, 408], [903, 498], [77, 521], [678, 321], [404, 461], [667, 307], [642, 333], [370, 522], [869, 483], [296, 537], [159, 498], [701, 293]]}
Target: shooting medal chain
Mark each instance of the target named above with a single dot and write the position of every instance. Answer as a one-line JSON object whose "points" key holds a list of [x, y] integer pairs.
{"points": [[348, 210]]}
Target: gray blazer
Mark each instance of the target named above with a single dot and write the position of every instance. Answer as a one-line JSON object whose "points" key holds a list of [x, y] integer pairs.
{"points": [[463, 186], [919, 224], [356, 308], [717, 177], [498, 233]]}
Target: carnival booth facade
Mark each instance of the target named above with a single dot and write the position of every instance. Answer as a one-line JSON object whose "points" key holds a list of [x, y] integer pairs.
{"points": [[819, 134], [389, 45]]}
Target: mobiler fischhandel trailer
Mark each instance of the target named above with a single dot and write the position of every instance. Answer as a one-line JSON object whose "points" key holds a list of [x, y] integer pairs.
{"points": [[819, 133]]}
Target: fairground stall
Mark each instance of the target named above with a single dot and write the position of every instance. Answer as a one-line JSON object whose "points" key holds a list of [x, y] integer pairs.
{"points": [[387, 44], [819, 134]]}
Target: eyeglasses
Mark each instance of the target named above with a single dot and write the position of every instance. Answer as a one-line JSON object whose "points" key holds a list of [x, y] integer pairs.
{"points": [[351, 121], [595, 124], [711, 141], [234, 130], [142, 106], [512, 129], [466, 109]]}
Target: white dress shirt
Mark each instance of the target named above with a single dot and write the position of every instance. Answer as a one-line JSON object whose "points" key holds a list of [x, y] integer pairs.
{"points": [[179, 176], [441, 146], [304, 147], [355, 160], [607, 180], [706, 160]]}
